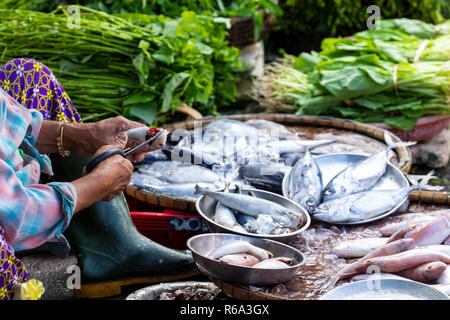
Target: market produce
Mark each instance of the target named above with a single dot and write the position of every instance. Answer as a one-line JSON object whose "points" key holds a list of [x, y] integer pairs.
{"points": [[434, 232], [225, 216], [240, 259], [425, 272], [358, 248], [389, 229], [305, 182], [363, 175], [390, 80], [115, 66]]}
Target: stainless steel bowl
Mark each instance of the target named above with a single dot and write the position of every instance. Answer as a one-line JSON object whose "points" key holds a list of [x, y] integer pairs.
{"points": [[331, 164], [201, 245], [153, 292], [206, 207], [385, 289]]}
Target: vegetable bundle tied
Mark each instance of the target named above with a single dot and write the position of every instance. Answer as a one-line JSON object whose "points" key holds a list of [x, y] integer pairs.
{"points": [[128, 65], [368, 79]]}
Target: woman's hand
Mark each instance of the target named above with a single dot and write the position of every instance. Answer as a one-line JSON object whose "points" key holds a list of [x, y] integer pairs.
{"points": [[109, 178]]}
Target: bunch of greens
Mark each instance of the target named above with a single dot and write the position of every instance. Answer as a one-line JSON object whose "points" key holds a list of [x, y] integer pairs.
{"points": [[345, 17], [368, 79], [112, 65], [172, 9]]}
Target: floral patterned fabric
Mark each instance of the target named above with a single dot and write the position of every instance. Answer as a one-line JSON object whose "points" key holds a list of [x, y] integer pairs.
{"points": [[33, 85], [12, 270]]}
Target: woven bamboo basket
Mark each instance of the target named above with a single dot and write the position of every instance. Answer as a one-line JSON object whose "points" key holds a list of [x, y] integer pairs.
{"points": [[171, 202], [242, 32]]}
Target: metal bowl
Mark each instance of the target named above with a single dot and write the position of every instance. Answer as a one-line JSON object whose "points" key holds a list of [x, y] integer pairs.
{"points": [[153, 292], [385, 289], [206, 207], [201, 245], [331, 164]]}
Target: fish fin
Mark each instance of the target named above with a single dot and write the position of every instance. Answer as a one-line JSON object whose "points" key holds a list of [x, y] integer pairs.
{"points": [[392, 145], [423, 183]]}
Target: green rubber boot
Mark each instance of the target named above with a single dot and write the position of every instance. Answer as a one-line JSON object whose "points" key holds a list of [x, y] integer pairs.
{"points": [[110, 250]]}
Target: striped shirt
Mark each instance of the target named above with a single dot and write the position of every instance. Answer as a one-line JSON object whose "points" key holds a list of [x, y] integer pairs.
{"points": [[30, 213]]}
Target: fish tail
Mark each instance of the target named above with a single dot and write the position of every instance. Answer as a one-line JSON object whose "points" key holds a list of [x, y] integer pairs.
{"points": [[423, 183], [392, 145]]}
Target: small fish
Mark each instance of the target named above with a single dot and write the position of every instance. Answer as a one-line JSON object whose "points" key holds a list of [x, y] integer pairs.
{"points": [[139, 135], [181, 189], [239, 246], [363, 175], [435, 232], [225, 216], [290, 146], [255, 206], [271, 264], [391, 228], [358, 248], [240, 259], [363, 205], [305, 182]]}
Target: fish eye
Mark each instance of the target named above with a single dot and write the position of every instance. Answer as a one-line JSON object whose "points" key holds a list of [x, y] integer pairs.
{"points": [[311, 202], [329, 192], [323, 206]]}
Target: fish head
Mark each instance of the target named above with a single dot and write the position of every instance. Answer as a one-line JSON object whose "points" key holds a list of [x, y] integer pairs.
{"points": [[331, 191], [321, 208], [307, 202]]}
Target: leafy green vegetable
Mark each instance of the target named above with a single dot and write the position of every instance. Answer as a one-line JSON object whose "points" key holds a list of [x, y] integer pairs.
{"points": [[127, 63]]}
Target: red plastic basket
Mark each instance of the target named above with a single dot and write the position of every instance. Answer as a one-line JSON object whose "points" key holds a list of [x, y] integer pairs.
{"points": [[170, 228]]}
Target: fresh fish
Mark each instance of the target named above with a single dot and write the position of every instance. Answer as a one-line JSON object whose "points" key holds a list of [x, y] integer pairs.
{"points": [[240, 259], [363, 175], [182, 189], [191, 156], [300, 146], [139, 135], [391, 228], [239, 246], [425, 273], [444, 278], [358, 248], [225, 217], [267, 177], [405, 260], [363, 205], [305, 182], [438, 248], [255, 206], [243, 219], [412, 230], [273, 129], [178, 172], [435, 232], [388, 249], [271, 264], [152, 157]]}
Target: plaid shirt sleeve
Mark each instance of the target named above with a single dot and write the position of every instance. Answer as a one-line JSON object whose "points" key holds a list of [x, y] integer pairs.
{"points": [[31, 213]]}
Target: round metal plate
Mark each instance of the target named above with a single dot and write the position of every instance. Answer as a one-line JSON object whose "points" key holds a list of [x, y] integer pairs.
{"points": [[331, 164], [385, 289]]}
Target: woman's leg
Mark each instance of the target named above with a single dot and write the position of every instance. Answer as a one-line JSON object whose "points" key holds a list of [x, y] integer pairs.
{"points": [[34, 86]]}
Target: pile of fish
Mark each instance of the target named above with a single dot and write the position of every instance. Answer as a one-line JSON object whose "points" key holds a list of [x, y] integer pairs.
{"points": [[257, 153], [349, 197], [417, 249], [243, 253], [248, 213]]}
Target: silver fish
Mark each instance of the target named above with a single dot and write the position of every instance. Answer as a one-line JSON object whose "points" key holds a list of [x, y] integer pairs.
{"points": [[305, 182], [182, 189], [362, 205], [294, 146], [358, 248], [267, 177], [255, 206], [273, 129], [225, 217], [363, 175]]}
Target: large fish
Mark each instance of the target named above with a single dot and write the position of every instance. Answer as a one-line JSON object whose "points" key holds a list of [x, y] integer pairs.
{"points": [[364, 205], [225, 217], [255, 206], [363, 175], [305, 182], [267, 177]]}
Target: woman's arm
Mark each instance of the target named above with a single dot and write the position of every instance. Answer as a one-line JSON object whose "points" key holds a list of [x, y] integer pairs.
{"points": [[84, 138]]}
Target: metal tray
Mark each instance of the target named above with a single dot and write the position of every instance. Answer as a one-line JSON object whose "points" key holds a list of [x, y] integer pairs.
{"points": [[385, 289], [331, 164], [206, 207], [201, 245]]}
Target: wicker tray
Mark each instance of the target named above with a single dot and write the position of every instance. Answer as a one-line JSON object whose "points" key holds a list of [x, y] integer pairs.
{"points": [[242, 32], [312, 122]]}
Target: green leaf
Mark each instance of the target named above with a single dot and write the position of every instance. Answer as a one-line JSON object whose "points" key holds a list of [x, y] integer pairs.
{"points": [[145, 111], [165, 55], [169, 89], [140, 97]]}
